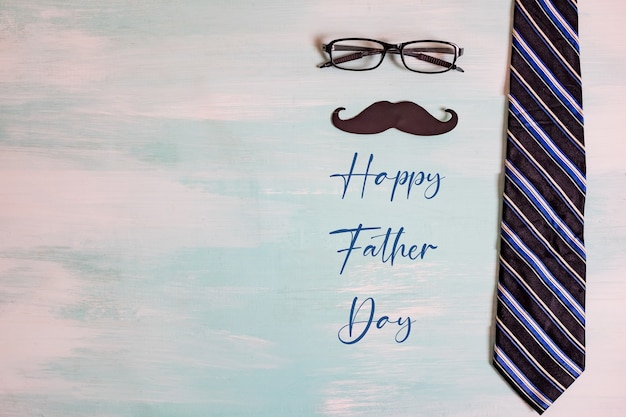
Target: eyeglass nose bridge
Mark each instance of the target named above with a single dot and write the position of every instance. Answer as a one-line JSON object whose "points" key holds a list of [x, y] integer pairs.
{"points": [[393, 49]]}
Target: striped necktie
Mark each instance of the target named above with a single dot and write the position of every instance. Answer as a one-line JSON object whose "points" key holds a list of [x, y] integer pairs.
{"points": [[540, 324]]}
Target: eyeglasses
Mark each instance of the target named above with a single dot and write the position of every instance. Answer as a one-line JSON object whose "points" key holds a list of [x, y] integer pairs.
{"points": [[361, 54]]}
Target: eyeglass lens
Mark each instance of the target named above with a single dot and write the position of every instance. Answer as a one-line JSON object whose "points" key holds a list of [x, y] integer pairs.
{"points": [[428, 56], [356, 54]]}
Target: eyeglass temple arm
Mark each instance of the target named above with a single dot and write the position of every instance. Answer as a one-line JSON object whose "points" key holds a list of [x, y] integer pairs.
{"points": [[433, 60]]}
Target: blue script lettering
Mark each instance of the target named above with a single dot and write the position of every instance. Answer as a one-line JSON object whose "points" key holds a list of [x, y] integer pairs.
{"points": [[387, 252], [398, 180], [354, 335]]}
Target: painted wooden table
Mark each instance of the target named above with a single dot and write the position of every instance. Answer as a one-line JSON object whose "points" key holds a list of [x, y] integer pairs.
{"points": [[170, 183]]}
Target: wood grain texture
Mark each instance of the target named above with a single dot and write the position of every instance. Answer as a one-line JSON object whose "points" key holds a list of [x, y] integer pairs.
{"points": [[167, 202]]}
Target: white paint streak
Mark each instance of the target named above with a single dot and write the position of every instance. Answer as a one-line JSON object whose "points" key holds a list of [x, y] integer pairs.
{"points": [[55, 205], [43, 54], [33, 332]]}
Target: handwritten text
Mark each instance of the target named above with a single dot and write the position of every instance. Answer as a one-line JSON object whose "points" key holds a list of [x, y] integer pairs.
{"points": [[431, 182], [386, 251], [357, 328]]}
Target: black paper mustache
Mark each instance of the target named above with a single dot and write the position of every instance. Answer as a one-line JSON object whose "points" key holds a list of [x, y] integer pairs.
{"points": [[405, 116]]}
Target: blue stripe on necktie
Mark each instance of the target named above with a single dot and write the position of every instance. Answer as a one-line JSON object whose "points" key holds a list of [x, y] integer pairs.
{"points": [[538, 302], [546, 109], [513, 141], [548, 144], [548, 78], [567, 268], [559, 21], [531, 360], [538, 334], [566, 299], [546, 210], [573, 4], [548, 46], [536, 396]]}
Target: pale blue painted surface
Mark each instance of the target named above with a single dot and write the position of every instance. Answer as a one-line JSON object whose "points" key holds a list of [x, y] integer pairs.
{"points": [[166, 209]]}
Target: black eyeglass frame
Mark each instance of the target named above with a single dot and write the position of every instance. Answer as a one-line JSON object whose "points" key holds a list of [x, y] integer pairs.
{"points": [[398, 49]]}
